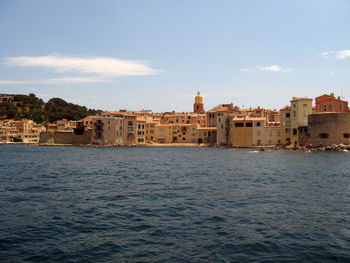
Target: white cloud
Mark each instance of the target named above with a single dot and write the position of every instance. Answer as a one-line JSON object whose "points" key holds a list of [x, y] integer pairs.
{"points": [[272, 68], [331, 73], [327, 54], [342, 54], [55, 81], [102, 69]]}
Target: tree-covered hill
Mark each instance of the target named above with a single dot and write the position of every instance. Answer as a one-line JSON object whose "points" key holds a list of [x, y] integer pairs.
{"points": [[34, 108]]}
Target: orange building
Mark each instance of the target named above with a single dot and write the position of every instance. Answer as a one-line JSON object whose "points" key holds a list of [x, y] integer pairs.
{"points": [[329, 103]]}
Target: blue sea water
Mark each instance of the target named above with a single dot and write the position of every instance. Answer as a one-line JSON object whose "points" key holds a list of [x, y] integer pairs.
{"points": [[81, 204]]}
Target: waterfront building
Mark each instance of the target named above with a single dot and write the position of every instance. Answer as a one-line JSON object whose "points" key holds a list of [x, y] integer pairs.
{"points": [[25, 131], [294, 118], [285, 127], [241, 132], [329, 128], [300, 109], [329, 103], [247, 131], [150, 131], [219, 117], [141, 130], [164, 133]]}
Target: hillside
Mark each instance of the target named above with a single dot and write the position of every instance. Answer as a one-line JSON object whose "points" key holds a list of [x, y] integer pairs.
{"points": [[18, 106]]}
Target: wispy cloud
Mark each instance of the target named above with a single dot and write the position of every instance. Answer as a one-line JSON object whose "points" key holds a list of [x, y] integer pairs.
{"points": [[55, 81], [102, 69], [331, 73], [342, 54], [272, 68], [102, 66]]}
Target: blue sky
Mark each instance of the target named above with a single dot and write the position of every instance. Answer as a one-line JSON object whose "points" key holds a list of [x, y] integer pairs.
{"points": [[158, 54]]}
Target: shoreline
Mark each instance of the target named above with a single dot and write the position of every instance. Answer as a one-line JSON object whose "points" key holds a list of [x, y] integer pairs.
{"points": [[333, 148]]}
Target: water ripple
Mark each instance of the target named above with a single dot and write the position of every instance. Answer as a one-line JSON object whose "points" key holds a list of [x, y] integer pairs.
{"points": [[79, 204]]}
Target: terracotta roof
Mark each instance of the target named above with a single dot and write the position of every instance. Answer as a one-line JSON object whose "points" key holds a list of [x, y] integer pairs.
{"points": [[207, 128], [297, 99], [285, 108], [247, 118]]}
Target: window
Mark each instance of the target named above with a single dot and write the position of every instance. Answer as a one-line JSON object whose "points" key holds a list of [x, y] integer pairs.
{"points": [[278, 133], [116, 121], [249, 133], [305, 113], [346, 135], [330, 106], [221, 126], [239, 133], [258, 133], [270, 133], [341, 106], [287, 115], [323, 135], [304, 105], [249, 124], [294, 122], [239, 124], [258, 124], [294, 113], [295, 132], [129, 122]]}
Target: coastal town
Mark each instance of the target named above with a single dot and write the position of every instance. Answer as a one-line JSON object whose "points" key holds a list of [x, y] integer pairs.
{"points": [[299, 124]]}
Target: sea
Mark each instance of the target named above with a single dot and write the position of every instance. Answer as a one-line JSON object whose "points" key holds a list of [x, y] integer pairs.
{"points": [[173, 204]]}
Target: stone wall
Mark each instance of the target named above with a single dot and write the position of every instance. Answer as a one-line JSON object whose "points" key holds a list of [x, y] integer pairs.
{"points": [[330, 128], [61, 137]]}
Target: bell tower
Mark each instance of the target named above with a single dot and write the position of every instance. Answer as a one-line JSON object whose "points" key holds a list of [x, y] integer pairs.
{"points": [[198, 106]]}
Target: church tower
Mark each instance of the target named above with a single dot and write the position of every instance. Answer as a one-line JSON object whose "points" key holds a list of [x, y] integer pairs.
{"points": [[198, 106]]}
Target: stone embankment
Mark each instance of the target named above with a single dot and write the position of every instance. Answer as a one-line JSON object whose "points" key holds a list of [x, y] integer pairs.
{"points": [[331, 148]]}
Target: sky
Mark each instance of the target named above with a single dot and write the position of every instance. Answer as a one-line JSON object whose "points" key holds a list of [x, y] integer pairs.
{"points": [[157, 54]]}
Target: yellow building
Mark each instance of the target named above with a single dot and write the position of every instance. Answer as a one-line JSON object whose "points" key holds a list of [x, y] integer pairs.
{"points": [[241, 132], [300, 108], [164, 133], [150, 131]]}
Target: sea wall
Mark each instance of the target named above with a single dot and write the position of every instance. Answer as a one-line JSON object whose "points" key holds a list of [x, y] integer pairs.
{"points": [[62, 137], [329, 128]]}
